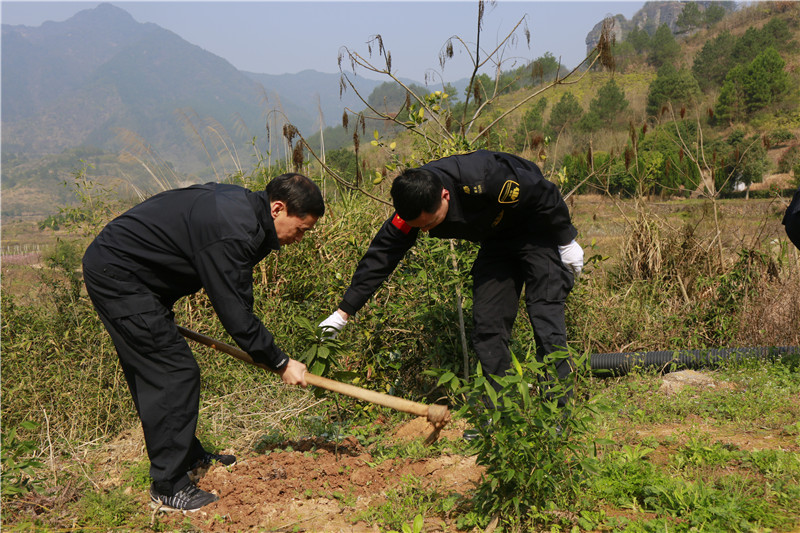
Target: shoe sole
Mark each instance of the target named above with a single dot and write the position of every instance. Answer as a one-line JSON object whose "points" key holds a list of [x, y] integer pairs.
{"points": [[161, 506]]}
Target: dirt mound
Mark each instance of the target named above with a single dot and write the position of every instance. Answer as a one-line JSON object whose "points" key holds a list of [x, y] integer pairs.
{"points": [[322, 489], [421, 428], [322, 486]]}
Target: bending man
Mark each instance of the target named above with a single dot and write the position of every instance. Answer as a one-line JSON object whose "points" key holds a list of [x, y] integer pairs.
{"points": [[172, 245], [526, 238]]}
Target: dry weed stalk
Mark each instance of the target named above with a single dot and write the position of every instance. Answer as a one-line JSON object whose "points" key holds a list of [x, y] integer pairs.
{"points": [[437, 126], [137, 149], [771, 311], [706, 188], [642, 256]]}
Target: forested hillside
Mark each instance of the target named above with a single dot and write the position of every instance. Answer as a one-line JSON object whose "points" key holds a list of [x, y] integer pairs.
{"points": [[713, 110], [727, 79]]}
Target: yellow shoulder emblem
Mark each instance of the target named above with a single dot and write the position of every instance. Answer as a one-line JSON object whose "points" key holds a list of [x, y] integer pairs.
{"points": [[509, 193]]}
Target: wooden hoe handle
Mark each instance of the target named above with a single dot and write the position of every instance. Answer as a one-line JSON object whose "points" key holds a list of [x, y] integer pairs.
{"points": [[435, 414]]}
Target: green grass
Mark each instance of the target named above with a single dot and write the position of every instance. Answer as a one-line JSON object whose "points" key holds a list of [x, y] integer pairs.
{"points": [[734, 466], [410, 499]]}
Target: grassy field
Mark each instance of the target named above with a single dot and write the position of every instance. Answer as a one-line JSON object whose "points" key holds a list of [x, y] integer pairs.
{"points": [[720, 454]]}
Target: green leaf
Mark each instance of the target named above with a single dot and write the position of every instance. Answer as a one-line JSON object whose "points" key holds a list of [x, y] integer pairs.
{"points": [[447, 376], [418, 523], [516, 364], [318, 368]]}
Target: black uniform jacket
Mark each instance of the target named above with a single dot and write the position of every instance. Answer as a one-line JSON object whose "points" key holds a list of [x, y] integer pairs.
{"points": [[177, 242], [492, 195]]}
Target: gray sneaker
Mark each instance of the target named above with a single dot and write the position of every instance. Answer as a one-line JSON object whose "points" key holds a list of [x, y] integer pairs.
{"points": [[190, 498]]}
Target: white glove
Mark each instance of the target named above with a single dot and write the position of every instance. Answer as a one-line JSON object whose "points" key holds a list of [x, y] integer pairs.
{"points": [[332, 325], [572, 257]]}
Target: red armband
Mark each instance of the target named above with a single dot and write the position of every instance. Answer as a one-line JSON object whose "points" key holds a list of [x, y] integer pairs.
{"points": [[401, 224]]}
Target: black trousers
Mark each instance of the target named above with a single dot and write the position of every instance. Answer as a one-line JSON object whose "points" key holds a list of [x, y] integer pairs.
{"points": [[499, 273], [162, 374]]}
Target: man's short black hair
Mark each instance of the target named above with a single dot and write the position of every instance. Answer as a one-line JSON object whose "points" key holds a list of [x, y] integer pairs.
{"points": [[301, 195], [416, 190]]}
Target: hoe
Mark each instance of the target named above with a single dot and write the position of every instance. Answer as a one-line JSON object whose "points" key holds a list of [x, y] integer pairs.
{"points": [[437, 415]]}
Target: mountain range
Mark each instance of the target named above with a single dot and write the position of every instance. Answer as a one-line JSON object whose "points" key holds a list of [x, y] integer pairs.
{"points": [[103, 79]]}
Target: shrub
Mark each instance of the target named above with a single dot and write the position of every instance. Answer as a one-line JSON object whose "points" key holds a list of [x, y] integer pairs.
{"points": [[534, 451], [19, 464]]}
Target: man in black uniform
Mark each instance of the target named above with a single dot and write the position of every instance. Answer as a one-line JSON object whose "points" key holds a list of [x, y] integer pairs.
{"points": [[172, 245], [792, 220], [526, 237]]}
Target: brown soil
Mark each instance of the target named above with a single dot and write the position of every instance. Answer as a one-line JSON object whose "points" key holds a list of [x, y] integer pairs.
{"points": [[323, 487], [316, 485]]}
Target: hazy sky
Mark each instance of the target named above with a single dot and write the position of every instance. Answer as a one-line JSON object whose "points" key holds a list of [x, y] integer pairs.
{"points": [[287, 37]]}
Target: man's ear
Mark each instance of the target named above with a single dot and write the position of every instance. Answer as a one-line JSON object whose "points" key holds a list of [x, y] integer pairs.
{"points": [[445, 194], [276, 207]]}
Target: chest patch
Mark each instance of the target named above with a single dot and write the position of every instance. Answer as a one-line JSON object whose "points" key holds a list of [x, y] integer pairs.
{"points": [[509, 193]]}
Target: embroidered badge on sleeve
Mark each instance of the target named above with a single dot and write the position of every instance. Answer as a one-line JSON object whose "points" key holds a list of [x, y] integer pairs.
{"points": [[509, 192]]}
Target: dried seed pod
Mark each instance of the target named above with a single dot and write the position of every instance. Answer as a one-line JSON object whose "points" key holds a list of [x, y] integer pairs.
{"points": [[290, 132], [606, 43], [298, 157]]}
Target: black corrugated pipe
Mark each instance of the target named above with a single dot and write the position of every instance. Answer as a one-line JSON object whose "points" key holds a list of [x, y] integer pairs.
{"points": [[667, 360]]}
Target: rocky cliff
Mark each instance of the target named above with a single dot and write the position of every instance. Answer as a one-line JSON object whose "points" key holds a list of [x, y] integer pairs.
{"points": [[649, 18]]}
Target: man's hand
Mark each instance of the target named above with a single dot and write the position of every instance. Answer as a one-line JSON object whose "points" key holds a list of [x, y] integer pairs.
{"points": [[332, 325], [572, 257], [294, 373]]}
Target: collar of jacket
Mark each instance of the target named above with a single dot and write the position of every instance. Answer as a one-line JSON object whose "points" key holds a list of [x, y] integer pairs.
{"points": [[260, 202], [455, 211]]}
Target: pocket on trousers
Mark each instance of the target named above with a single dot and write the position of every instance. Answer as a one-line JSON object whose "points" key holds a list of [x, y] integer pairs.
{"points": [[560, 281], [149, 332]]}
